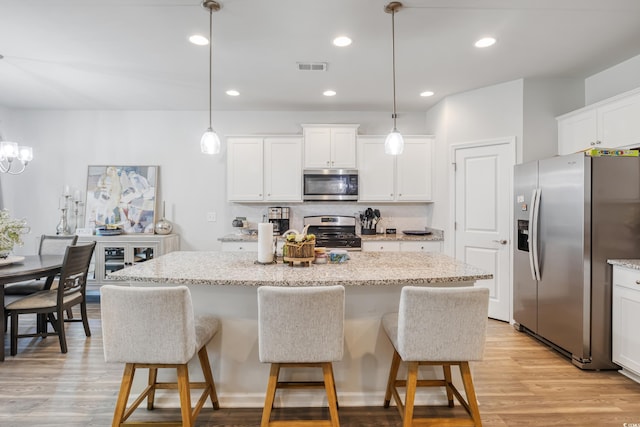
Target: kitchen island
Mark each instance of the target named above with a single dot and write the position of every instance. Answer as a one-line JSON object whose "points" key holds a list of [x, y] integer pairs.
{"points": [[225, 283]]}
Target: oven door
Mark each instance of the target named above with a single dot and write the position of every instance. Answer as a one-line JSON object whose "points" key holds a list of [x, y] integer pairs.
{"points": [[330, 184]]}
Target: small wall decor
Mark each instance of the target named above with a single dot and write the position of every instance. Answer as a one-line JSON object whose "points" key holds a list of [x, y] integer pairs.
{"points": [[121, 197]]}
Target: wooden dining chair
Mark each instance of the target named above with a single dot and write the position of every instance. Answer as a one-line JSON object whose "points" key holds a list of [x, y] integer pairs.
{"points": [[49, 245], [71, 291]]}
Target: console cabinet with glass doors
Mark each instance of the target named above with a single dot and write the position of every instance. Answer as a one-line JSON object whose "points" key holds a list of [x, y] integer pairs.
{"points": [[113, 253]]}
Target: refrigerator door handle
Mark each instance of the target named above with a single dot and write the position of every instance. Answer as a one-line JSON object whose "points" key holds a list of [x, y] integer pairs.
{"points": [[532, 207], [535, 213]]}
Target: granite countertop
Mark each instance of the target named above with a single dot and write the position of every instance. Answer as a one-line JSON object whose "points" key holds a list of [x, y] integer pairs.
{"points": [[629, 263], [436, 235], [364, 268]]}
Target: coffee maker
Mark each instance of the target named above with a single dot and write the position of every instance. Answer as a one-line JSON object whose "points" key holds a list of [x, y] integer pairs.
{"points": [[279, 217]]}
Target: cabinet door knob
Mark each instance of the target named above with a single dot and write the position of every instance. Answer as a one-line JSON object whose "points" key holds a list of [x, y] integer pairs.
{"points": [[391, 194], [637, 282], [502, 242], [592, 143], [328, 164], [598, 142]]}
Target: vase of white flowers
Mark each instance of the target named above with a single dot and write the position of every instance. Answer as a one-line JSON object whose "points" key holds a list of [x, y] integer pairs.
{"points": [[11, 231]]}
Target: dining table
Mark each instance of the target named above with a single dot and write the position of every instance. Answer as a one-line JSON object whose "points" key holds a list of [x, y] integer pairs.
{"points": [[26, 268]]}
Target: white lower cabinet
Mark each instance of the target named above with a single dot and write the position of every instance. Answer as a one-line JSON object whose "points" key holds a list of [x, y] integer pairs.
{"points": [[240, 246], [381, 246], [402, 246], [113, 253], [426, 246], [625, 320]]}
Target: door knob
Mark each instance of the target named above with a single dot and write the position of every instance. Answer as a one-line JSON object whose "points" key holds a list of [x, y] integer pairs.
{"points": [[502, 242]]}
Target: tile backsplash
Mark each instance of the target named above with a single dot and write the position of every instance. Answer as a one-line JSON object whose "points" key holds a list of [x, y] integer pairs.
{"points": [[399, 216]]}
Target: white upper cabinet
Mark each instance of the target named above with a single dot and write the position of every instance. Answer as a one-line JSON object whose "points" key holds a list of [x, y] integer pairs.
{"points": [[403, 178], [578, 132], [283, 169], [377, 171], [265, 169], [245, 169], [414, 169], [329, 146], [612, 123]]}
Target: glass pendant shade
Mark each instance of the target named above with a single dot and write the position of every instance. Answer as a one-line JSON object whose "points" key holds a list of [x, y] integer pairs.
{"points": [[394, 143], [210, 142]]}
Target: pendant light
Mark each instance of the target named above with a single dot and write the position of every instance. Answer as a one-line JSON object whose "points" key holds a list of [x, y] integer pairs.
{"points": [[210, 142], [394, 143]]}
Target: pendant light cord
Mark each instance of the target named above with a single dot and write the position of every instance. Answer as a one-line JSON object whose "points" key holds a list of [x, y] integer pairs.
{"points": [[210, 65], [393, 61]]}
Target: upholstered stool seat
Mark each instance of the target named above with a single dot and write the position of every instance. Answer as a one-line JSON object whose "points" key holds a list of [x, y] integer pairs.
{"points": [[155, 327], [301, 327], [437, 326]]}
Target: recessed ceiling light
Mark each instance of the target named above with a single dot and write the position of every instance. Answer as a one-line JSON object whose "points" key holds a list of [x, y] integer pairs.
{"points": [[199, 40], [329, 93], [485, 42], [342, 41], [232, 92], [426, 93]]}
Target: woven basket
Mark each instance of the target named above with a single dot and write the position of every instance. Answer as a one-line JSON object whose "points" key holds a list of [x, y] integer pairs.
{"points": [[299, 250]]}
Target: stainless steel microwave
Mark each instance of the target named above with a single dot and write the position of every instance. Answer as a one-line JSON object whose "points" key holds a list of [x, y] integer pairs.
{"points": [[330, 184]]}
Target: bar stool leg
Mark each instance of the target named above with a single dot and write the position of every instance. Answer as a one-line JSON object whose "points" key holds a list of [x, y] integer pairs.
{"points": [[330, 388], [153, 379], [271, 393], [472, 400], [393, 374], [412, 383], [206, 369], [185, 395], [447, 379], [123, 396]]}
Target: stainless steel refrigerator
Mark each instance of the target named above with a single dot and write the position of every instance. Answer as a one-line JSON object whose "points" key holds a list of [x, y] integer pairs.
{"points": [[572, 213]]}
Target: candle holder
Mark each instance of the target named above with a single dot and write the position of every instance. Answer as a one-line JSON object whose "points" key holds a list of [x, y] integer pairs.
{"points": [[76, 212], [63, 226]]}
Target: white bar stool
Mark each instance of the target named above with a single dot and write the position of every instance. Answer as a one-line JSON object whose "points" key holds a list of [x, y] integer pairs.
{"points": [[301, 327], [155, 327], [437, 326]]}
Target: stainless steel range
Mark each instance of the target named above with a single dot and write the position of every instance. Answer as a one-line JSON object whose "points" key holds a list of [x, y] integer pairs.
{"points": [[334, 231]]}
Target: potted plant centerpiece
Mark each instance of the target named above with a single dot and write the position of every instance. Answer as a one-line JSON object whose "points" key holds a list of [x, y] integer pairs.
{"points": [[11, 231]]}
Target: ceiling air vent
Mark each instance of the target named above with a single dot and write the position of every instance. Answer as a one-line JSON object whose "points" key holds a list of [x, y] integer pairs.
{"points": [[312, 66]]}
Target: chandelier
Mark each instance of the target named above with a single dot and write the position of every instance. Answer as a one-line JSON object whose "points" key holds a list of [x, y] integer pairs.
{"points": [[14, 158]]}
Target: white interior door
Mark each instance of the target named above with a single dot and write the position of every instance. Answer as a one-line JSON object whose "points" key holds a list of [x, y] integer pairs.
{"points": [[483, 184]]}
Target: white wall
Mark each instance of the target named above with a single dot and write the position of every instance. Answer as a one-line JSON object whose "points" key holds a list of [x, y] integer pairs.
{"points": [[544, 100], [491, 112], [66, 142], [613, 81]]}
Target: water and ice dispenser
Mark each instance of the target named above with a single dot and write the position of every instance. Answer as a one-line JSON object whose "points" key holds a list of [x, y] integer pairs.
{"points": [[523, 235]]}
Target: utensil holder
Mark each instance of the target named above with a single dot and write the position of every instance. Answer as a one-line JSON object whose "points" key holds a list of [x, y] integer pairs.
{"points": [[368, 231]]}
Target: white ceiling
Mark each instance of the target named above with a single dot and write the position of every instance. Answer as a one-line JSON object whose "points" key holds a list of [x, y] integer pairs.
{"points": [[134, 54]]}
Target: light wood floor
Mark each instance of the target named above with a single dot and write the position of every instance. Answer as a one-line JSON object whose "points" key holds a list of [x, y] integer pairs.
{"points": [[520, 383]]}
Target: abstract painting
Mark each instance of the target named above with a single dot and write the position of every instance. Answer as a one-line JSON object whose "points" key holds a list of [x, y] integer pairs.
{"points": [[121, 196]]}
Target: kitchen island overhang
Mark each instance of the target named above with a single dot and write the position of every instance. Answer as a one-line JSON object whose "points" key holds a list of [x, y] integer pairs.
{"points": [[225, 284], [363, 269]]}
